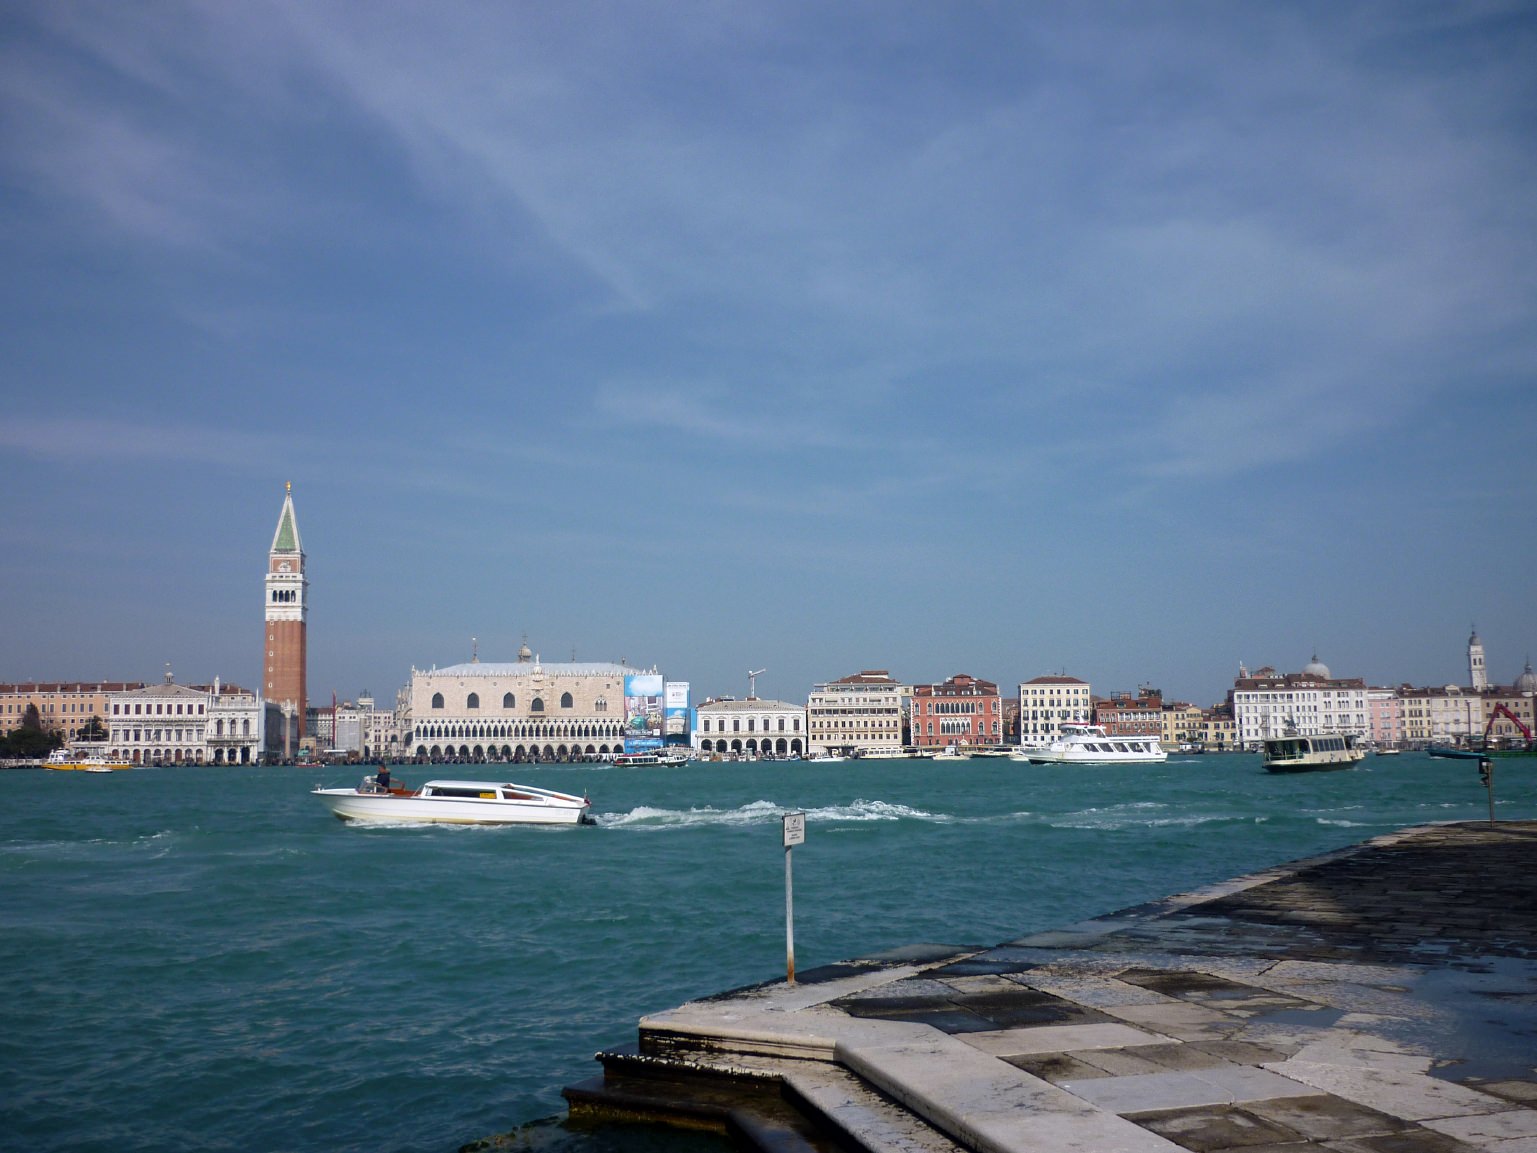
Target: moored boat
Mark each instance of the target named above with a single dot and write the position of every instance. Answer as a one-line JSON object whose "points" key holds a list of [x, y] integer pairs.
{"points": [[1318, 753], [456, 803], [1091, 745]]}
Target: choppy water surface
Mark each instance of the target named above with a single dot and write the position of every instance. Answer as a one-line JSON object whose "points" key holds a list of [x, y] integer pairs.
{"points": [[205, 959]]}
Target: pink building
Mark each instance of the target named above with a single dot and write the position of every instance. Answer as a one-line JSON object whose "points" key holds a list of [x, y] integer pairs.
{"points": [[962, 711]]}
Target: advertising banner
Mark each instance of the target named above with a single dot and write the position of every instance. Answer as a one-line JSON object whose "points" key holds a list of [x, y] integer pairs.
{"points": [[677, 717], [643, 712]]}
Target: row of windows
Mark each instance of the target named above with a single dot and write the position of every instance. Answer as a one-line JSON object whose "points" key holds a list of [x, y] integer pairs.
{"points": [[509, 701], [736, 724], [940, 708], [160, 709], [952, 728], [493, 731], [285, 596]]}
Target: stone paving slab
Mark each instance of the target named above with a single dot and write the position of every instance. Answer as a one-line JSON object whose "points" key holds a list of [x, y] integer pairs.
{"points": [[1059, 1038], [1227, 1085]]}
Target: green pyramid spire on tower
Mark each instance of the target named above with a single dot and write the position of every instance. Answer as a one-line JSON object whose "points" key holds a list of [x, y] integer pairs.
{"points": [[286, 539]]}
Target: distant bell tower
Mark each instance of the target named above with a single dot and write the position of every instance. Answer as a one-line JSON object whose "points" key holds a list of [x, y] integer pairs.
{"points": [[287, 611], [1477, 677]]}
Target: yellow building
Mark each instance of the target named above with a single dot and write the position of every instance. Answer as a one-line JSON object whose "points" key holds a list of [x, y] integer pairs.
{"points": [[62, 707]]}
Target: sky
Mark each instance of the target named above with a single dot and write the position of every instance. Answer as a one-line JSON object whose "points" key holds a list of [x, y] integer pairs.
{"points": [[1131, 341]]}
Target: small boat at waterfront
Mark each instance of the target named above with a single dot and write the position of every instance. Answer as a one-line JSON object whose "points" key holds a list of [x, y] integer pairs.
{"points": [[1319, 753], [951, 753], [1090, 745], [456, 803], [66, 760]]}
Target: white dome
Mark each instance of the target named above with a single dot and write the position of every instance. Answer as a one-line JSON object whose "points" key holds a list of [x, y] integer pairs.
{"points": [[1527, 681], [1316, 668]]}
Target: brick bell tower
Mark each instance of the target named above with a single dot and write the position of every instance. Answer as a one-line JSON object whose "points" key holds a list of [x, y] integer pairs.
{"points": [[287, 611]]}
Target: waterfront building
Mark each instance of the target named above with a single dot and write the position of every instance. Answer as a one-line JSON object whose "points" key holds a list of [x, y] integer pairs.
{"points": [[63, 707], [285, 655], [1048, 703], [172, 724], [1124, 715], [1181, 724], [235, 730], [529, 710], [1509, 710], [381, 736], [961, 711], [751, 727], [1385, 709], [1442, 715], [1219, 731], [857, 714], [1269, 704]]}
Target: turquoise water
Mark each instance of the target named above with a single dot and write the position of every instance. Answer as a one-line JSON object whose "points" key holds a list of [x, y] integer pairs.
{"points": [[205, 959]]}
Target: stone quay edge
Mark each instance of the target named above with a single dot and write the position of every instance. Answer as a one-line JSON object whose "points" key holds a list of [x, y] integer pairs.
{"points": [[1377, 999]]}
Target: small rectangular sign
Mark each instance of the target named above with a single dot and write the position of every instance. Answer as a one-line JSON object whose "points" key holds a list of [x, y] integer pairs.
{"points": [[795, 829]]}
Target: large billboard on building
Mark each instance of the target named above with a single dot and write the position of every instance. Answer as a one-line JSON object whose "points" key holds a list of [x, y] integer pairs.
{"points": [[643, 712], [676, 715]]}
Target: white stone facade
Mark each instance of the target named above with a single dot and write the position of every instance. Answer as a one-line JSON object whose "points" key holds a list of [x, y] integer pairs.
{"points": [[1269, 704], [523, 711], [753, 727], [860, 713], [171, 724], [1048, 703]]}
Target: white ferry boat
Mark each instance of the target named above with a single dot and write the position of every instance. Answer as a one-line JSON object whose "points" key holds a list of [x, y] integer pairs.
{"points": [[666, 758], [1090, 745], [1320, 753], [456, 803]]}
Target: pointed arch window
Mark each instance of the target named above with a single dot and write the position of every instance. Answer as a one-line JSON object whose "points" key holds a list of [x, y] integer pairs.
{"points": [[536, 705], [508, 701], [472, 701], [565, 700]]}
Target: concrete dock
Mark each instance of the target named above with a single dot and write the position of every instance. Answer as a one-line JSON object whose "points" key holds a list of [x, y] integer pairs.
{"points": [[1379, 999]]}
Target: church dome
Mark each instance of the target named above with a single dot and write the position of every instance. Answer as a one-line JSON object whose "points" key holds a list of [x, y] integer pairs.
{"points": [[525, 654], [1527, 681], [1316, 668]]}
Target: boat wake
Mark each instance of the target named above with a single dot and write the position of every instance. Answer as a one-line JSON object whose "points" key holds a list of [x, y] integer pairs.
{"points": [[764, 812], [1144, 814]]}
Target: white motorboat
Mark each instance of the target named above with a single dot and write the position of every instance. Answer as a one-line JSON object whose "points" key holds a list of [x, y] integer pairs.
{"points": [[1090, 745], [951, 753], [1319, 753], [457, 803]]}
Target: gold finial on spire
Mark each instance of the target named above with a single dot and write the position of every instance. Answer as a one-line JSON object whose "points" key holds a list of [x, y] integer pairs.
{"points": [[288, 487]]}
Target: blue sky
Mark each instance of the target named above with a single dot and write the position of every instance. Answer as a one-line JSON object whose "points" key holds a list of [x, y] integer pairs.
{"points": [[1128, 340]]}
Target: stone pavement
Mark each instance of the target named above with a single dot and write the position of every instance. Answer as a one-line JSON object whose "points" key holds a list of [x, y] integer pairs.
{"points": [[1381, 999]]}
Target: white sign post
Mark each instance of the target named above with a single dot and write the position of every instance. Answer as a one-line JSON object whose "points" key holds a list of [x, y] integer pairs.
{"points": [[794, 834]]}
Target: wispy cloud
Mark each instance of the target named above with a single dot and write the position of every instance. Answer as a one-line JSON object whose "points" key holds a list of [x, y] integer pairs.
{"points": [[97, 441]]}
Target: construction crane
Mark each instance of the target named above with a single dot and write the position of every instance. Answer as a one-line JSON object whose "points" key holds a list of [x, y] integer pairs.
{"points": [[752, 683]]}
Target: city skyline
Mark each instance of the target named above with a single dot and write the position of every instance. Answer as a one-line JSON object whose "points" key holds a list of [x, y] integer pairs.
{"points": [[1127, 343]]}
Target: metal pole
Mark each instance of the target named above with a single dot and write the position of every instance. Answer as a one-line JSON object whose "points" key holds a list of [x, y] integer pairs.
{"points": [[1487, 765], [789, 918]]}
